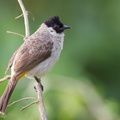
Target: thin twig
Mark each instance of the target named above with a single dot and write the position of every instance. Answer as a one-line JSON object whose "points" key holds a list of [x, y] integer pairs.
{"points": [[28, 98], [26, 21], [23, 108], [33, 18], [29, 13], [16, 34], [5, 78], [40, 102], [19, 16]]}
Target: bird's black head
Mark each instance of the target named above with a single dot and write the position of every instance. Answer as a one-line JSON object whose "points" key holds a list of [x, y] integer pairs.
{"points": [[56, 24]]}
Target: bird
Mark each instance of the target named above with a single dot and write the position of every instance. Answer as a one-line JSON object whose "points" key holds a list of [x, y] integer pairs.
{"points": [[36, 56]]}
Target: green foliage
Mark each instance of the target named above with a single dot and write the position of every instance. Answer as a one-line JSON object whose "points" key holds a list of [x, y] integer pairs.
{"points": [[90, 59]]}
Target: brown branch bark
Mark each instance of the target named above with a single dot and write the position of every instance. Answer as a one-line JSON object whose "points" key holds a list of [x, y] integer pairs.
{"points": [[40, 101]]}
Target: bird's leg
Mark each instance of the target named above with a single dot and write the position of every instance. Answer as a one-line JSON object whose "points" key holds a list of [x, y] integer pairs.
{"points": [[39, 81]]}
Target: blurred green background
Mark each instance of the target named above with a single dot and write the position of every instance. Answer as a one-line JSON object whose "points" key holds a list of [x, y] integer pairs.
{"points": [[85, 82]]}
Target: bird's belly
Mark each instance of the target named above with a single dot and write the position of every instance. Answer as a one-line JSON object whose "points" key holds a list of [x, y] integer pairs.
{"points": [[44, 67]]}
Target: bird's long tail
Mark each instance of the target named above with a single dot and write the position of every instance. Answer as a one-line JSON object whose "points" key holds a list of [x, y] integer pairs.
{"points": [[7, 94]]}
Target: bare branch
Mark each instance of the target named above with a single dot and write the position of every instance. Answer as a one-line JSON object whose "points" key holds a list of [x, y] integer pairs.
{"points": [[23, 108], [16, 34], [33, 18], [28, 98], [40, 102], [19, 16], [26, 21], [5, 78]]}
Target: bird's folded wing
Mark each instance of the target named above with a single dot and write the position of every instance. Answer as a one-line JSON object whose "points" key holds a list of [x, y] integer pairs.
{"points": [[32, 56]]}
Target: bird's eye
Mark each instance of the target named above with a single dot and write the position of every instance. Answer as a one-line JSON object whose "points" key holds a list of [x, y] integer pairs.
{"points": [[56, 27]]}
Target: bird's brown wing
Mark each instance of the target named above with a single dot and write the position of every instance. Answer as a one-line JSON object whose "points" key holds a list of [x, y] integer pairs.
{"points": [[28, 57]]}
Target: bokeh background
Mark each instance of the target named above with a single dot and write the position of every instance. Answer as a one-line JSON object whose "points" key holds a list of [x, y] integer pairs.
{"points": [[85, 82]]}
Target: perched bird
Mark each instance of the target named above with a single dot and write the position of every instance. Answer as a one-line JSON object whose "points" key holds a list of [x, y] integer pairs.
{"points": [[36, 56]]}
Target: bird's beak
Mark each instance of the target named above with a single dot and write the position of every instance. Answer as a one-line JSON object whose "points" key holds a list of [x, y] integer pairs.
{"points": [[65, 27]]}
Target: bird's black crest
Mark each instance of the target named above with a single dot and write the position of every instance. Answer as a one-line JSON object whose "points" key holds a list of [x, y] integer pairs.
{"points": [[55, 23]]}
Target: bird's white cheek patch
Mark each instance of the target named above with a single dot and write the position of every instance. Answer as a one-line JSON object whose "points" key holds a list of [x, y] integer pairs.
{"points": [[52, 31]]}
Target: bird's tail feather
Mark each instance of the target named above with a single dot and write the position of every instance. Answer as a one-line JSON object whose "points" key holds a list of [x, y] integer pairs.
{"points": [[7, 94]]}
